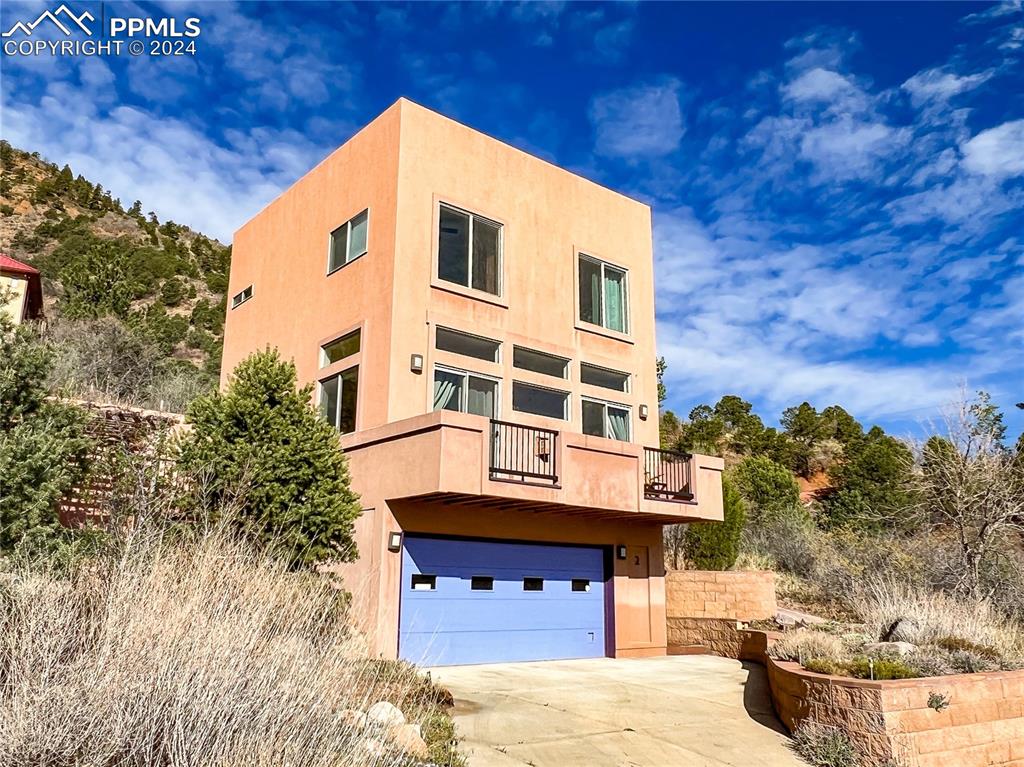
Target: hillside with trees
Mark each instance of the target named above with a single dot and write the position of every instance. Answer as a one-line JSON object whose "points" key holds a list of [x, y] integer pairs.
{"points": [[134, 305], [833, 507]]}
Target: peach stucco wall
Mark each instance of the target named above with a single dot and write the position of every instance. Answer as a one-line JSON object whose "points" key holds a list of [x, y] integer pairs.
{"points": [[400, 167]]}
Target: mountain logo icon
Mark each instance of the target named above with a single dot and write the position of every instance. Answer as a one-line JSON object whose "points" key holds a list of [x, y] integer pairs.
{"points": [[70, 21]]}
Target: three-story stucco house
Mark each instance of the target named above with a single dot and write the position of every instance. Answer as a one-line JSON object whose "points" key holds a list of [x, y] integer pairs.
{"points": [[480, 327]]}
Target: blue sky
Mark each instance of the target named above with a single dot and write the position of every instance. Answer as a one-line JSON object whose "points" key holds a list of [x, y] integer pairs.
{"points": [[838, 189]]}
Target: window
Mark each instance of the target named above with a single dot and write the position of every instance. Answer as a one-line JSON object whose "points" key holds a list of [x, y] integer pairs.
{"points": [[348, 242], [469, 250], [608, 379], [533, 584], [338, 395], [539, 401], [338, 350], [604, 419], [603, 294], [540, 362], [467, 344], [481, 583], [465, 392], [241, 298], [421, 582], [580, 584]]}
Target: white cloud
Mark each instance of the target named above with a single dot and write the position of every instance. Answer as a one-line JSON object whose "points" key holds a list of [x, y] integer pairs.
{"points": [[997, 152], [637, 122], [848, 149], [940, 84], [818, 84], [168, 164]]}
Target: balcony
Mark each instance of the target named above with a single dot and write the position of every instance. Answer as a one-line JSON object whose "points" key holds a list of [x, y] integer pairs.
{"points": [[460, 459], [667, 475]]}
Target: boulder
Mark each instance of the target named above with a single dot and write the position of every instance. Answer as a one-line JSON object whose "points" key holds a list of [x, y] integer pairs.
{"points": [[385, 714], [901, 630], [409, 738], [889, 648]]}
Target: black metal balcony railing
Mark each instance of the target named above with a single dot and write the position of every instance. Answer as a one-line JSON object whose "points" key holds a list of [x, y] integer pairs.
{"points": [[524, 453], [667, 475]]}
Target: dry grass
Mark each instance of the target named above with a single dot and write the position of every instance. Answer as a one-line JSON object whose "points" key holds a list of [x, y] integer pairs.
{"points": [[191, 653], [936, 618], [804, 645]]}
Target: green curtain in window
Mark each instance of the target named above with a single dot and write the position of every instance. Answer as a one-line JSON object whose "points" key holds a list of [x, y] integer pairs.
{"points": [[614, 303], [445, 391], [619, 422]]}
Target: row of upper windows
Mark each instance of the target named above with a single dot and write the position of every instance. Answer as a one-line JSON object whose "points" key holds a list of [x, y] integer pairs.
{"points": [[471, 392], [469, 253]]}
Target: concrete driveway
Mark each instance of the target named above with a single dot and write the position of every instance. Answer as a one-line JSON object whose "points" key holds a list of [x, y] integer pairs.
{"points": [[682, 711]]}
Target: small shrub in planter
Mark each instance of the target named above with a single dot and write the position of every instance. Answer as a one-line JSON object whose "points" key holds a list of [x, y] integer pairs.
{"points": [[803, 645], [861, 667], [825, 746]]}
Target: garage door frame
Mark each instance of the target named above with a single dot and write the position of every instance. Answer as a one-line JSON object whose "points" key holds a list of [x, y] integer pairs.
{"points": [[608, 573]]}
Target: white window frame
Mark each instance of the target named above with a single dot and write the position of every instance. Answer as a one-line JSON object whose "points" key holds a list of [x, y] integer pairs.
{"points": [[607, 421], [566, 362], [629, 377], [240, 297], [464, 398], [604, 302], [566, 411], [319, 396], [324, 362], [347, 226], [469, 248], [454, 331]]}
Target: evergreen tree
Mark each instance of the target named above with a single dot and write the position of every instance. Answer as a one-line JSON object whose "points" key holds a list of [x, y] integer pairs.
{"points": [[97, 282], [768, 487], [42, 444], [715, 545], [262, 446]]}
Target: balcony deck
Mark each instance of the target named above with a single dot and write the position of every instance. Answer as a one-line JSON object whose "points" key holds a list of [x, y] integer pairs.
{"points": [[465, 461]]}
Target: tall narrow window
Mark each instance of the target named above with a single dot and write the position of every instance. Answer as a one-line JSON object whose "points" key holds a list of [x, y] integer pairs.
{"points": [[605, 419], [465, 392], [603, 299], [469, 250], [348, 242], [339, 395]]}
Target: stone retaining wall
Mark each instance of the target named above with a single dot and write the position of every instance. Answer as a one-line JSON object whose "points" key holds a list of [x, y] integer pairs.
{"points": [[891, 721], [734, 594]]}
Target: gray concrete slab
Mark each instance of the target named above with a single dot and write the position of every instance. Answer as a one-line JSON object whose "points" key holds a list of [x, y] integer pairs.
{"points": [[680, 711]]}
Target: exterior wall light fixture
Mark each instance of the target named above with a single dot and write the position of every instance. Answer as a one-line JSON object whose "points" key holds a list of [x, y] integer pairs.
{"points": [[416, 363], [620, 551], [643, 412], [394, 541]]}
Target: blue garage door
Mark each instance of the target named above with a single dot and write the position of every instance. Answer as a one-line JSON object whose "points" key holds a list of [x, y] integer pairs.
{"points": [[487, 602]]}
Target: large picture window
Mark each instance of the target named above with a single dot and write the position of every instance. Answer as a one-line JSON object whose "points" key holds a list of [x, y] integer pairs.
{"points": [[603, 299], [348, 242], [338, 397], [469, 250], [605, 419], [465, 392]]}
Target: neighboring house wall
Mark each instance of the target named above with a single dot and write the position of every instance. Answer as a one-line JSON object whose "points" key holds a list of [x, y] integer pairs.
{"points": [[15, 305]]}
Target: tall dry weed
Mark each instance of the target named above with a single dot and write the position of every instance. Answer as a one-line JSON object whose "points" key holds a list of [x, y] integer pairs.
{"points": [[196, 652]]}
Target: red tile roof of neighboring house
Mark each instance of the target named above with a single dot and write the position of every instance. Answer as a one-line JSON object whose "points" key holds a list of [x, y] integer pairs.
{"points": [[9, 264], [34, 307]]}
